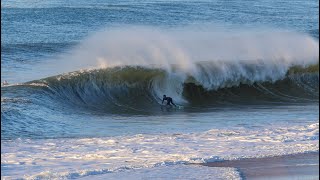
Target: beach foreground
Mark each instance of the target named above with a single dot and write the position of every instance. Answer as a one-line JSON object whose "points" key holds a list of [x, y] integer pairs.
{"points": [[298, 166], [304, 166]]}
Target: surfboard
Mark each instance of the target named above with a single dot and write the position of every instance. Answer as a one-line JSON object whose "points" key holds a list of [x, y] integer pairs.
{"points": [[179, 107], [172, 106]]}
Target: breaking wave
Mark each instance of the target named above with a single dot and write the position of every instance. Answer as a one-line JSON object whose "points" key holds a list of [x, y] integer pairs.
{"points": [[196, 67], [140, 88]]}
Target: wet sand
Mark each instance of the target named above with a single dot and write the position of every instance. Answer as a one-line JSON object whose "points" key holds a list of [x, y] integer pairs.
{"points": [[298, 166]]}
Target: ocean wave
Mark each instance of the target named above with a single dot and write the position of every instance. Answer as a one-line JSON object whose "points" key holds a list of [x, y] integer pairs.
{"points": [[194, 66], [140, 87]]}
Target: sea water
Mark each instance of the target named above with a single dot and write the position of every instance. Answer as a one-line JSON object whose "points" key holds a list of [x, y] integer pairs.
{"points": [[86, 80]]}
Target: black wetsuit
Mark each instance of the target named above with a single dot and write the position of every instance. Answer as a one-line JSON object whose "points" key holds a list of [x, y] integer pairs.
{"points": [[169, 100]]}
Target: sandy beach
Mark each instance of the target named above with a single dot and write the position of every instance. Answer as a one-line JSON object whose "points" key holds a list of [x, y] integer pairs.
{"points": [[298, 166], [287, 167]]}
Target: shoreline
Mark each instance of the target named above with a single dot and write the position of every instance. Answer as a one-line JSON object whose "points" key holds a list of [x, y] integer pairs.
{"points": [[295, 166]]}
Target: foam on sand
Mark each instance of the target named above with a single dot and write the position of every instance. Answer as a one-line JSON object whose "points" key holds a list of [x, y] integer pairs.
{"points": [[67, 158]]}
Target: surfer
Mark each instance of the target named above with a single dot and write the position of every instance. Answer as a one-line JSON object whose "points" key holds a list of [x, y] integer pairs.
{"points": [[168, 99]]}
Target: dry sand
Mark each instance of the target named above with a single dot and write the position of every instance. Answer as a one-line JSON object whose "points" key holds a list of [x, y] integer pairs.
{"points": [[298, 166]]}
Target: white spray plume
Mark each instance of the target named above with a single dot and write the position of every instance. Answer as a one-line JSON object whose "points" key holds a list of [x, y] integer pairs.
{"points": [[147, 46], [227, 53], [214, 57]]}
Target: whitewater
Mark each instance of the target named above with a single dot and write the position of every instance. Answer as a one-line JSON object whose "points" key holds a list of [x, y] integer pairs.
{"points": [[83, 99]]}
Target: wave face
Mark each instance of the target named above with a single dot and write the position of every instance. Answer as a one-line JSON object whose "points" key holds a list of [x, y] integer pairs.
{"points": [[139, 88]]}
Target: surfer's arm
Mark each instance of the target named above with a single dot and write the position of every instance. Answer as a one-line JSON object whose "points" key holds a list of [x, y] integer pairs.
{"points": [[162, 100]]}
